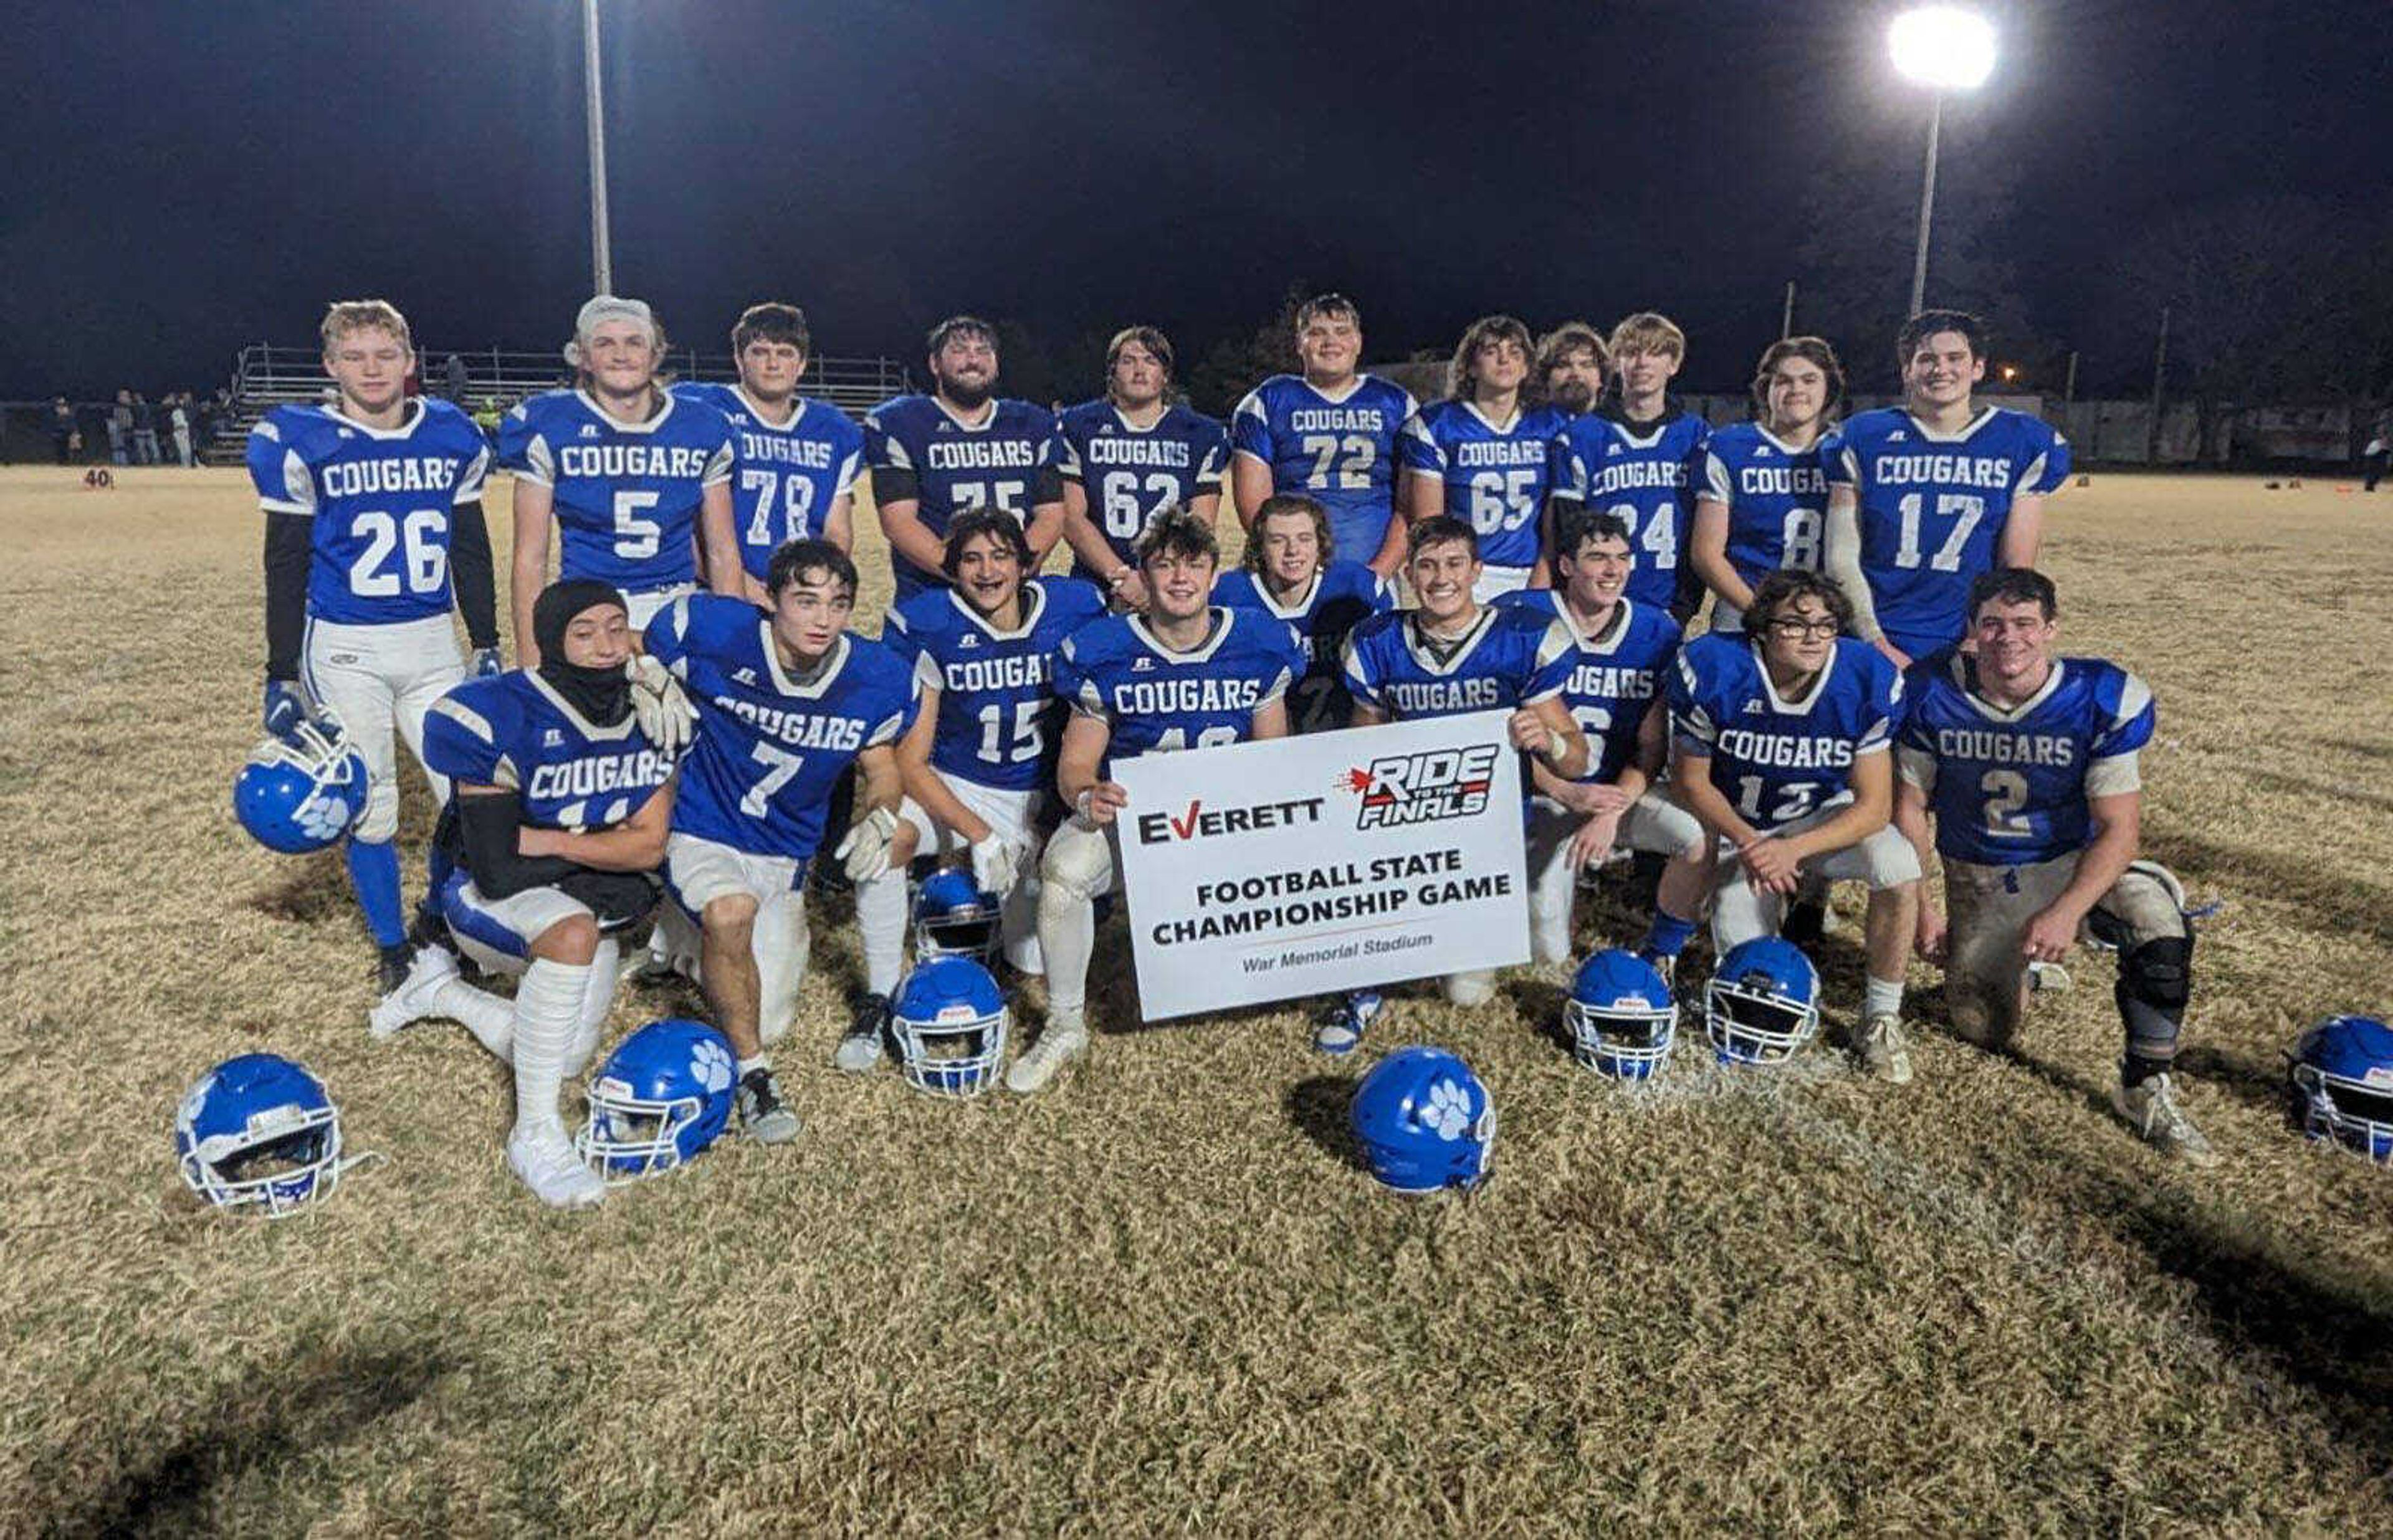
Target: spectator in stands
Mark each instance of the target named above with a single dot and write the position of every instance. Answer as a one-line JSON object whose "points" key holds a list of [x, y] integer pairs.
{"points": [[120, 429], [488, 415], [145, 430], [179, 417], [2380, 450], [454, 379], [66, 439]]}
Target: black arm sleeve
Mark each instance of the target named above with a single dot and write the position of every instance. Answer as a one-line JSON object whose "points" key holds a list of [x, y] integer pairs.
{"points": [[892, 485], [469, 564], [489, 822], [286, 593]]}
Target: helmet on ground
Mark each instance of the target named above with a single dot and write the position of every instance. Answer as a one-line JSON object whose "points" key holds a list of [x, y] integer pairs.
{"points": [[954, 917], [1762, 1002], [2343, 1083], [664, 1095], [1621, 1015], [302, 793], [258, 1130], [949, 1019], [1424, 1121]]}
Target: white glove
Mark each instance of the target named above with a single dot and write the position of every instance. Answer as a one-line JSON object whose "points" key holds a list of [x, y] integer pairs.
{"points": [[663, 712], [996, 863], [865, 849]]}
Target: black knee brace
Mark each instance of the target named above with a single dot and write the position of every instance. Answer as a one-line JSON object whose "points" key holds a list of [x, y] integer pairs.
{"points": [[2155, 981]]}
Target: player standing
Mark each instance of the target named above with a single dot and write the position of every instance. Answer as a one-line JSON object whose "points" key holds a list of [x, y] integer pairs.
{"points": [[787, 700], [2028, 761], [1329, 434], [1187, 674], [373, 530], [960, 447], [1615, 693], [1637, 459], [1484, 454], [1131, 456], [1764, 491], [1781, 748], [1924, 497], [1288, 574], [1571, 360], [635, 481], [794, 460]]}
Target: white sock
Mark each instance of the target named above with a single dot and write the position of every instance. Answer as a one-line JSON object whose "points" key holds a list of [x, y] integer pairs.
{"points": [[1881, 999], [548, 1014], [880, 920], [780, 940], [747, 1066], [1067, 934], [489, 1018], [598, 996]]}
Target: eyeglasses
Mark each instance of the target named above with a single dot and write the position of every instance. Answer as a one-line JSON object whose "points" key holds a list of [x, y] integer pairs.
{"points": [[1793, 630]]}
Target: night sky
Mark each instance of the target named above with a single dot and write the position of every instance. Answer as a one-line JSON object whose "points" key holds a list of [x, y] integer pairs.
{"points": [[179, 178]]}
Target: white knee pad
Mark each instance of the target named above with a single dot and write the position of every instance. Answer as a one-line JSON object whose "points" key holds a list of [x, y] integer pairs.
{"points": [[1077, 864], [379, 823], [1472, 989]]}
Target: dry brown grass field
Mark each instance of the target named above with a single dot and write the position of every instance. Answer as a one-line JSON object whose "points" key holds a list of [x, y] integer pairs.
{"points": [[1163, 1300]]}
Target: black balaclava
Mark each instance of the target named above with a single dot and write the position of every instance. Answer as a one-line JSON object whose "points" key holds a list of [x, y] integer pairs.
{"points": [[602, 695]]}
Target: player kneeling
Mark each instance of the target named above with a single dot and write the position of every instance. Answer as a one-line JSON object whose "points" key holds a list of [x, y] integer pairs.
{"points": [[2028, 762], [560, 810], [1187, 674]]}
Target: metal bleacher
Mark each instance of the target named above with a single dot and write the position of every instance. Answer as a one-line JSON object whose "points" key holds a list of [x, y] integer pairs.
{"points": [[265, 376]]}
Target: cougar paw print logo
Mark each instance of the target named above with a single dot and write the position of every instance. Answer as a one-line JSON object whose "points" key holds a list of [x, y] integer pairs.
{"points": [[1448, 1112], [711, 1064], [320, 817]]}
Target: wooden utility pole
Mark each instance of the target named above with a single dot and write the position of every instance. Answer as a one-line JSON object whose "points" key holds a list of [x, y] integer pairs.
{"points": [[2160, 380]]}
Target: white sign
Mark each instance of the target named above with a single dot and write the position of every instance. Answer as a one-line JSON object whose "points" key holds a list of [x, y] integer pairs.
{"points": [[1313, 865]]}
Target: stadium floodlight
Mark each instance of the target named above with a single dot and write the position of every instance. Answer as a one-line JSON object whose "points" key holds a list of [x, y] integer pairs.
{"points": [[1944, 49]]}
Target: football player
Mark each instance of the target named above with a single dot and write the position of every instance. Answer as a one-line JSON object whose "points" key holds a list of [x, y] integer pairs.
{"points": [[1571, 360], [982, 745], [1763, 493], [1286, 572], [1924, 497], [960, 447], [560, 815], [1187, 674], [1451, 656], [1330, 434], [1781, 745], [1622, 657], [788, 698], [1484, 454], [373, 530], [2028, 762], [1130, 456], [795, 459], [634, 479], [1637, 458]]}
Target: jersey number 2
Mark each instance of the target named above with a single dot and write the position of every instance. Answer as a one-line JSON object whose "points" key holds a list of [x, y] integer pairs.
{"points": [[426, 563]]}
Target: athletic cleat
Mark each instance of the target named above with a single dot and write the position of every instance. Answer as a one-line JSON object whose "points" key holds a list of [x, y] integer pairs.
{"points": [[1341, 1031], [411, 1001], [2048, 978], [2151, 1109], [1807, 921], [649, 966], [861, 1050], [1059, 1045], [544, 1161], [1666, 966], [1882, 1051], [391, 969], [763, 1114]]}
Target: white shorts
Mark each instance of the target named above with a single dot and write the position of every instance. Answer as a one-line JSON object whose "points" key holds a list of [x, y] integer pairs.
{"points": [[1498, 579], [1727, 620], [1741, 911], [1652, 823], [1008, 814], [700, 872], [642, 604], [375, 678], [1988, 909], [497, 934]]}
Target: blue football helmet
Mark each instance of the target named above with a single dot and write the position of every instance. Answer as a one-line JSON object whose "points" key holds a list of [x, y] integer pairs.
{"points": [[1762, 1002], [664, 1095], [1424, 1121], [954, 917], [2342, 1078], [300, 793], [949, 1019], [258, 1130], [1621, 1015]]}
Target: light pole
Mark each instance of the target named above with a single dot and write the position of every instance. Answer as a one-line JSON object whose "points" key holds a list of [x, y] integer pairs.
{"points": [[1943, 49], [602, 256]]}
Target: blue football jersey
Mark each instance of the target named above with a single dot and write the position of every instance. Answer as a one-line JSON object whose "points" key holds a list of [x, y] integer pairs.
{"points": [[1509, 658], [1932, 509], [770, 749], [786, 477], [513, 730], [1496, 477], [1154, 701], [1341, 453], [1777, 760], [626, 495], [1647, 480], [377, 503], [1614, 678], [1339, 597], [2009, 786], [1131, 474], [917, 449], [997, 724], [1776, 499]]}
